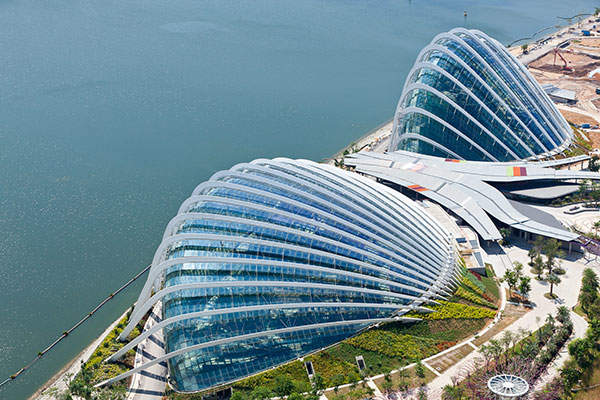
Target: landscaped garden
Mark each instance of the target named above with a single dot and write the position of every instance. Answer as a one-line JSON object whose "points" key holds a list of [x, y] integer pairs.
{"points": [[580, 376], [385, 348], [525, 354], [95, 370]]}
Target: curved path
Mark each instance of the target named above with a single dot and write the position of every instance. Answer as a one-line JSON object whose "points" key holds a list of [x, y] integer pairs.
{"points": [[567, 291]]}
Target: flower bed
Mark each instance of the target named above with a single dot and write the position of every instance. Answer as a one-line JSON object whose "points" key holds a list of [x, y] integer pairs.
{"points": [[473, 298], [394, 345], [446, 310]]}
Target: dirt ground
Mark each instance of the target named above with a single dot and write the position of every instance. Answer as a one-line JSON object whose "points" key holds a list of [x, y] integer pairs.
{"points": [[510, 315], [582, 64], [590, 42], [594, 137], [577, 118]]}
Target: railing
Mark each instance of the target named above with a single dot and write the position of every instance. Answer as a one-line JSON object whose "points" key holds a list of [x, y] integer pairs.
{"points": [[70, 330]]}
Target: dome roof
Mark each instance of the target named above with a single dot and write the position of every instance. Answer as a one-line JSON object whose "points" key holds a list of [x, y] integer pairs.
{"points": [[467, 97], [274, 259]]}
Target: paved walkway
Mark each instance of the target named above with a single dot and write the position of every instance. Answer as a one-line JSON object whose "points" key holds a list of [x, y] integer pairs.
{"points": [[150, 384], [567, 292], [583, 220]]}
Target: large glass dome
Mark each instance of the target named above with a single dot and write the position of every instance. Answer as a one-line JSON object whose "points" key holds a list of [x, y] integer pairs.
{"points": [[467, 97], [274, 259]]}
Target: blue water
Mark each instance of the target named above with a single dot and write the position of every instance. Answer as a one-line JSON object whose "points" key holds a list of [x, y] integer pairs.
{"points": [[111, 112]]}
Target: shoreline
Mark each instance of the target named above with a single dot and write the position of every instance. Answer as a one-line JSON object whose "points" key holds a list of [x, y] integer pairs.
{"points": [[377, 138], [537, 48], [73, 367]]}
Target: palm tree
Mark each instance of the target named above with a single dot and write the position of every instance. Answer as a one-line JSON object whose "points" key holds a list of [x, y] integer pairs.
{"points": [[452, 392], [563, 315], [532, 253], [524, 286], [552, 279], [596, 226]]}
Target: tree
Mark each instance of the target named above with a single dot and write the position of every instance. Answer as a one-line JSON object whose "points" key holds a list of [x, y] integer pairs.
{"points": [[596, 226], [594, 309], [582, 351], [261, 393], [590, 280], [518, 268], [505, 341], [524, 48], [532, 253], [589, 290], [505, 232], [295, 396], [538, 266], [550, 322], [387, 386], [422, 393], [452, 392], [594, 165], [595, 194], [563, 315], [495, 349], [524, 286], [583, 187], [403, 376], [318, 382], [283, 385], [420, 370], [538, 243], [238, 396], [551, 250], [488, 354], [552, 279], [511, 279], [570, 374]]}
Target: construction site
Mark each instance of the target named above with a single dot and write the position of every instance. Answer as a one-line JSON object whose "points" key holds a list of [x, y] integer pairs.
{"points": [[567, 66]]}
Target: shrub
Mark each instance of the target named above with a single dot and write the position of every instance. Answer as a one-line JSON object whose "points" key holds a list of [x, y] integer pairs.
{"points": [[473, 298], [393, 345], [472, 283], [447, 310]]}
